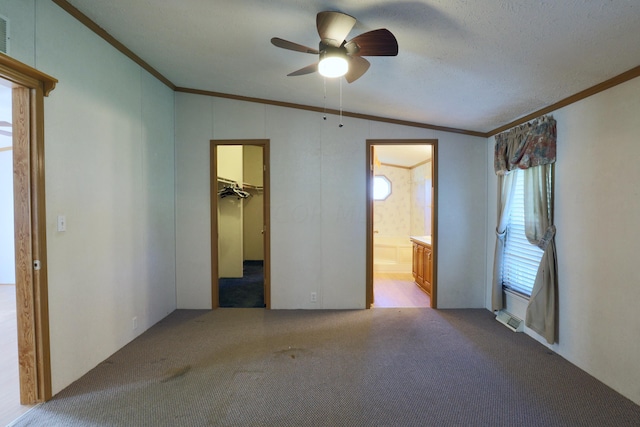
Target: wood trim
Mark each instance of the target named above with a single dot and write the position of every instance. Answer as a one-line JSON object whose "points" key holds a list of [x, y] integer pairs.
{"points": [[369, 212], [39, 245], [329, 111], [266, 184], [29, 89], [420, 164], [396, 166], [24, 75], [213, 197], [29, 219], [264, 143], [369, 173], [621, 78], [73, 11], [25, 295], [434, 226], [84, 19], [406, 167], [607, 84], [213, 215]]}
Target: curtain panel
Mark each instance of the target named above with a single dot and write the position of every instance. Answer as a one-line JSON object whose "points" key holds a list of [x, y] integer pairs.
{"points": [[531, 147], [506, 187], [540, 231]]}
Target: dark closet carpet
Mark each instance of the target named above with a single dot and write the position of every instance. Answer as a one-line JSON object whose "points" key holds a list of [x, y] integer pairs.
{"points": [[245, 292]]}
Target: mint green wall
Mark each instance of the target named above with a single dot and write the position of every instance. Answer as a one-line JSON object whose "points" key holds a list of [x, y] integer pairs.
{"points": [[109, 167], [112, 170], [318, 203], [597, 206]]}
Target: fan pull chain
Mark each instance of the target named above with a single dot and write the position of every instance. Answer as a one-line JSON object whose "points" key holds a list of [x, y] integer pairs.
{"points": [[324, 112], [340, 125]]}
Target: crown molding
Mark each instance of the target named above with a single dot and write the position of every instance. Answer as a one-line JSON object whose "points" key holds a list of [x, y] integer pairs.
{"points": [[600, 87], [621, 78], [329, 111]]}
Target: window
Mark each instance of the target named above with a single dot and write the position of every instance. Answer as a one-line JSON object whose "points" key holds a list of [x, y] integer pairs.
{"points": [[521, 258], [381, 187]]}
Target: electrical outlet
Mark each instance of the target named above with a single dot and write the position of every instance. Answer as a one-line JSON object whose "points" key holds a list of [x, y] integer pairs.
{"points": [[135, 323], [314, 297]]}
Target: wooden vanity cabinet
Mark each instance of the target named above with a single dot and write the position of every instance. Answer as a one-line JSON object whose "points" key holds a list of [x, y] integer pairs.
{"points": [[422, 265], [418, 263], [428, 264]]}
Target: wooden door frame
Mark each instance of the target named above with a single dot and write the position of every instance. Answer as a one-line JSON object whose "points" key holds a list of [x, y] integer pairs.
{"points": [[29, 87], [434, 212], [264, 143]]}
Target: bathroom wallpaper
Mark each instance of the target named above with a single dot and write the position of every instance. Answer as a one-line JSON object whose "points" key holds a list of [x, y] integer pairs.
{"points": [[392, 216], [421, 200], [407, 211]]}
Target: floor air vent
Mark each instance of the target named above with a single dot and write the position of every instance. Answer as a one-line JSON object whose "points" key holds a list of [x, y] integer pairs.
{"points": [[510, 321]]}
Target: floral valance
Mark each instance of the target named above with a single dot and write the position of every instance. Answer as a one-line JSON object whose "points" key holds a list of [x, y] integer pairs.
{"points": [[526, 146]]}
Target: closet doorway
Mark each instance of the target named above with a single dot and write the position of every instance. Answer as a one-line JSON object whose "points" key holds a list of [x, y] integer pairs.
{"points": [[401, 223], [240, 224]]}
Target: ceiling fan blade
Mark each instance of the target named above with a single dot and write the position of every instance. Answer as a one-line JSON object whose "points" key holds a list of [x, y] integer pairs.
{"points": [[306, 70], [285, 44], [373, 43], [357, 67], [333, 27]]}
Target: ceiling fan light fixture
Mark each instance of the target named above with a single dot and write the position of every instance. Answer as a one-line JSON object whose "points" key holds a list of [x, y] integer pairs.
{"points": [[333, 63], [337, 56]]}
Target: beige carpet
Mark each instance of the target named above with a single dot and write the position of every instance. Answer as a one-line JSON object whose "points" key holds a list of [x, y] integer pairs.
{"points": [[383, 367]]}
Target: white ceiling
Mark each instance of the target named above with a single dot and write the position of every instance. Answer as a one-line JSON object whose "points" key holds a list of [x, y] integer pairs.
{"points": [[467, 64], [403, 155]]}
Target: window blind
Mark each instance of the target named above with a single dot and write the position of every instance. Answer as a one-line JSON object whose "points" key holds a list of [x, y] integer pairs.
{"points": [[521, 258]]}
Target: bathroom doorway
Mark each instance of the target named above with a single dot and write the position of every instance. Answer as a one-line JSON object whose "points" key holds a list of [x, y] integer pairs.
{"points": [[401, 223], [240, 223]]}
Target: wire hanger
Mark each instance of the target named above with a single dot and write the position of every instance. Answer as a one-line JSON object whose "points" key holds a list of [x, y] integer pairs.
{"points": [[233, 190]]}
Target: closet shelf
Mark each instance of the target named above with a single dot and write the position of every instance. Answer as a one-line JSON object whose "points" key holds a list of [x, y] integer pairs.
{"points": [[252, 187], [244, 186]]}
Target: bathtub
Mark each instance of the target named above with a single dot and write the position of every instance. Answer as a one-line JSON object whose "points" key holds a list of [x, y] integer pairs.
{"points": [[392, 254]]}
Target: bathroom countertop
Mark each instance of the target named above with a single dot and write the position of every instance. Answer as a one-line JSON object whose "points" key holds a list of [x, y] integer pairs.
{"points": [[425, 240]]}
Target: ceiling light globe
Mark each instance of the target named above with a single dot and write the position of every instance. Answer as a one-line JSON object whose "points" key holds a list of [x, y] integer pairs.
{"points": [[333, 66]]}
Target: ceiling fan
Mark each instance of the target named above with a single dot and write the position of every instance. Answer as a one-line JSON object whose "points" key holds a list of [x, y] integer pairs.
{"points": [[338, 57]]}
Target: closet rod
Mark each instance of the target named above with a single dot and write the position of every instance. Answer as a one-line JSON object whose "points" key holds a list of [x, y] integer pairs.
{"points": [[227, 181]]}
